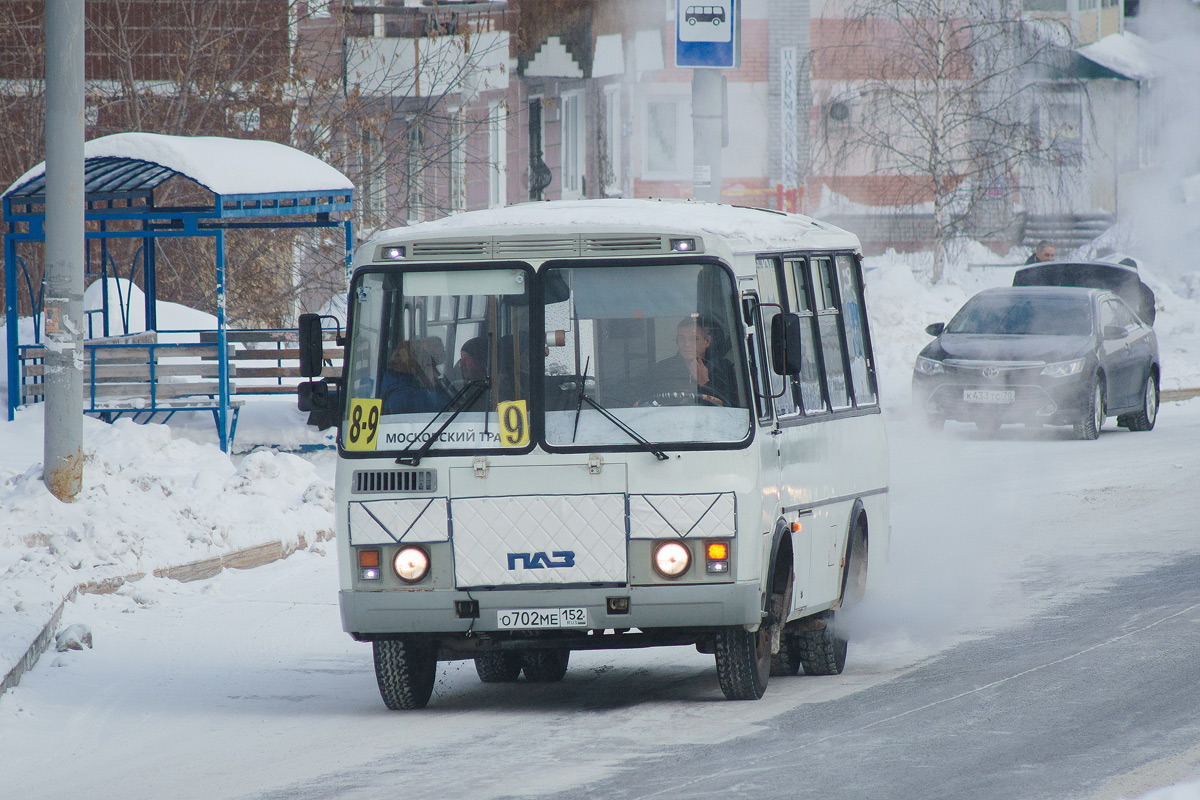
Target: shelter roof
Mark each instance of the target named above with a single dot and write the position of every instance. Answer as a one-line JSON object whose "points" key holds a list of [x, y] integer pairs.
{"points": [[134, 162]]}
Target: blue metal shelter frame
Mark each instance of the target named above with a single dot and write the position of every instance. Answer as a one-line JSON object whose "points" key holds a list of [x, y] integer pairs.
{"points": [[121, 189]]}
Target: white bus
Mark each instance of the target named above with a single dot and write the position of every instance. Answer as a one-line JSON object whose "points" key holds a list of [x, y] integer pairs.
{"points": [[604, 424]]}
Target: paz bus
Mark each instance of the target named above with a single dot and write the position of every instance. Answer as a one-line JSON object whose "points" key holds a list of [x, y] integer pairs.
{"points": [[578, 425]]}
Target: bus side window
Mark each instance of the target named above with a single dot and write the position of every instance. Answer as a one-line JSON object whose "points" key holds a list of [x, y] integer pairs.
{"points": [[769, 294], [757, 354], [833, 351], [854, 319], [812, 399]]}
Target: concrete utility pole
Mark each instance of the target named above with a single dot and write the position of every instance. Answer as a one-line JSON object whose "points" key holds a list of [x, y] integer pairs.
{"points": [[708, 114], [62, 287]]}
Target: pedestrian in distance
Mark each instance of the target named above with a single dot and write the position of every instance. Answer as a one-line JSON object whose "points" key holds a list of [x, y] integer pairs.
{"points": [[1043, 252]]}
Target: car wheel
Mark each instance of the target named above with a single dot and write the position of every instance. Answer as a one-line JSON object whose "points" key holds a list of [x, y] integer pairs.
{"points": [[405, 670], [1144, 420], [1088, 426]]}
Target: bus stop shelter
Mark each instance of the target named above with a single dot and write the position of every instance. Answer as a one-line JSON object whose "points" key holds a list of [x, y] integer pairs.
{"points": [[254, 184]]}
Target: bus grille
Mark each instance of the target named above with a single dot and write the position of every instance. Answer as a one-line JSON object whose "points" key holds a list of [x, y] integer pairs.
{"points": [[394, 480]]}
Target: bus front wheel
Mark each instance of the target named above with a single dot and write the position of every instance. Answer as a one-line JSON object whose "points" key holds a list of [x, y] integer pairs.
{"points": [[743, 661], [405, 670]]}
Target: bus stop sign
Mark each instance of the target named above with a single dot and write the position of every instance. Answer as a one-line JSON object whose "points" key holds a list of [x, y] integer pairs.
{"points": [[707, 34]]}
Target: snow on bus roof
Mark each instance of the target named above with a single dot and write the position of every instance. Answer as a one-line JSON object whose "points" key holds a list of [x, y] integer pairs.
{"points": [[747, 228], [222, 165]]}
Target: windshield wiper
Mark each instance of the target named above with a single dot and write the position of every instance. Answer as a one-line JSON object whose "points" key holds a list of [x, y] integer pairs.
{"points": [[479, 387], [611, 417]]}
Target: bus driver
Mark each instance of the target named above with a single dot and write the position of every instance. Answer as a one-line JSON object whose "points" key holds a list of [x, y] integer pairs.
{"points": [[693, 375]]}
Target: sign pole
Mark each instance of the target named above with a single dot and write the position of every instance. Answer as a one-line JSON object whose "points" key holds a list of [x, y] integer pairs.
{"points": [[707, 40]]}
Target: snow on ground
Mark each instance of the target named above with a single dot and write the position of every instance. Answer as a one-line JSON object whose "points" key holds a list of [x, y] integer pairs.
{"points": [[156, 496]]}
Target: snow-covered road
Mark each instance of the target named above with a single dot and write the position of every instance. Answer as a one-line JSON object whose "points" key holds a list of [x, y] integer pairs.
{"points": [[245, 685]]}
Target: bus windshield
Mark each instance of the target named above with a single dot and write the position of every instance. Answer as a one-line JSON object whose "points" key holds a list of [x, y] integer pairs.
{"points": [[631, 357], [436, 356], [654, 346]]}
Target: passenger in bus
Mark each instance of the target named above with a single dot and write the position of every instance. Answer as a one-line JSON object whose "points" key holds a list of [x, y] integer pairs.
{"points": [[697, 373], [436, 350], [472, 359], [407, 386]]}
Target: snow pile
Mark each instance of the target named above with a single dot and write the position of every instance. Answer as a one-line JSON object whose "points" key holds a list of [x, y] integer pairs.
{"points": [[149, 501]]}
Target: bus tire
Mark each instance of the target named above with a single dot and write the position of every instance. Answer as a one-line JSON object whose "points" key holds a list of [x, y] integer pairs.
{"points": [[743, 661], [545, 666], [822, 652], [405, 670], [498, 667], [787, 661]]}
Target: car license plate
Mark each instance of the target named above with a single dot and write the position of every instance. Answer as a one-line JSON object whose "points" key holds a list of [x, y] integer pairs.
{"points": [[989, 396], [524, 618]]}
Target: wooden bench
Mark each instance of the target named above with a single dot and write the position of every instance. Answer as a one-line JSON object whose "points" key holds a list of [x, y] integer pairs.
{"points": [[268, 361], [140, 376]]}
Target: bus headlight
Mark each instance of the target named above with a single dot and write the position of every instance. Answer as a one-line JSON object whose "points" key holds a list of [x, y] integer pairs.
{"points": [[411, 564], [671, 559]]}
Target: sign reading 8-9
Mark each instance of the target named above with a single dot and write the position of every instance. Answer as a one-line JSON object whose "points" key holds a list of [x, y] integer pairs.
{"points": [[362, 428], [514, 423]]}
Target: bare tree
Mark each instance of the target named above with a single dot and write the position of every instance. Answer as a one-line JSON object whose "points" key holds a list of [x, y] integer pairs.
{"points": [[936, 107], [385, 97]]}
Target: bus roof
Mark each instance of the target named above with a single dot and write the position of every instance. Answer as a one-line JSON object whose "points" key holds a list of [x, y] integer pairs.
{"points": [[747, 230]]}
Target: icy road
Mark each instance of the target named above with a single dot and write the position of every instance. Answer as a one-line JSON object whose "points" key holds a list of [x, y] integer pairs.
{"points": [[1037, 635]]}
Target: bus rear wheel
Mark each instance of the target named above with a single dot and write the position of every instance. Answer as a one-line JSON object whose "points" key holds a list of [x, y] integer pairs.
{"points": [[405, 670], [501, 667], [743, 661], [545, 666]]}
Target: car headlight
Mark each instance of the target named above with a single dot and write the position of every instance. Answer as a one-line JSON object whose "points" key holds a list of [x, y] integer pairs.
{"points": [[1064, 369], [927, 366], [411, 564], [672, 559]]}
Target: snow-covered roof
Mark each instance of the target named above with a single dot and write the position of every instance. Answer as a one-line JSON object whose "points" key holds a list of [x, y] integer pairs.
{"points": [[224, 166], [1125, 54], [746, 228]]}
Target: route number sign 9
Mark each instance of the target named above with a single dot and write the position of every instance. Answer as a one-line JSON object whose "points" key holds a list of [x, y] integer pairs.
{"points": [[514, 423]]}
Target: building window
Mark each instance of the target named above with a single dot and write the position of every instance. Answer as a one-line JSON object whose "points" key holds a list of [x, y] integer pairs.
{"points": [[573, 180], [414, 172], [373, 178], [458, 163], [612, 170], [318, 9], [667, 153], [539, 171], [497, 152]]}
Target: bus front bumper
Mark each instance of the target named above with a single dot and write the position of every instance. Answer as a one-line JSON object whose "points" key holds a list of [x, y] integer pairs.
{"points": [[370, 615]]}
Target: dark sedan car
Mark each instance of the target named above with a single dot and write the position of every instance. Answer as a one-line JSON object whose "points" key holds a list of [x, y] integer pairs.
{"points": [[1040, 355]]}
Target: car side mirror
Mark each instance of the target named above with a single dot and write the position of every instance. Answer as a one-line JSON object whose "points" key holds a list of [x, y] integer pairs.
{"points": [[935, 329], [1114, 332], [785, 344]]}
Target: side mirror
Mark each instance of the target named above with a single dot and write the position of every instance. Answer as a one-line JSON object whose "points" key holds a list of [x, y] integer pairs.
{"points": [[935, 329], [785, 344], [315, 396], [1114, 332], [312, 346]]}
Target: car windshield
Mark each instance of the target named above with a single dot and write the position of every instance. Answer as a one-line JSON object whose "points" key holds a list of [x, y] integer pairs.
{"points": [[653, 346], [1024, 315], [436, 357]]}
